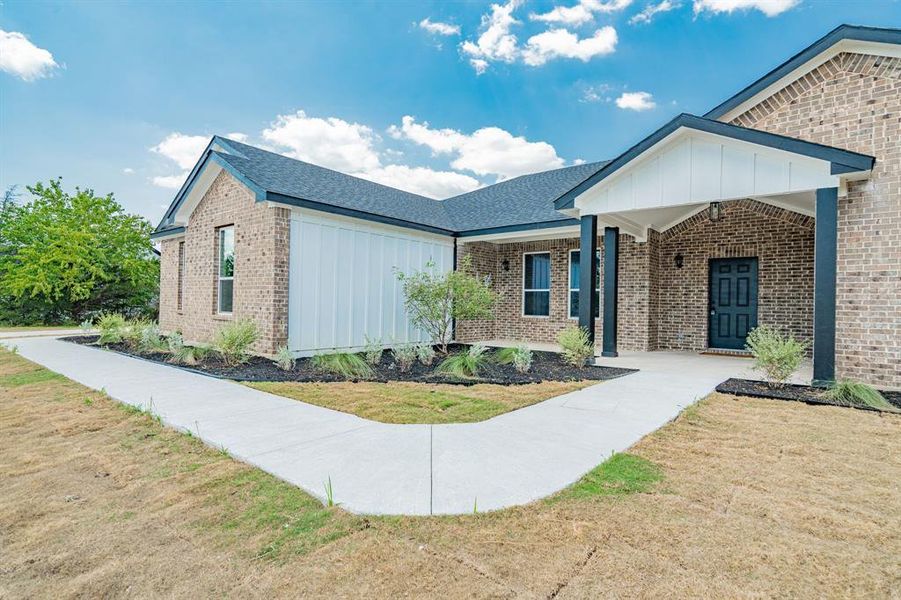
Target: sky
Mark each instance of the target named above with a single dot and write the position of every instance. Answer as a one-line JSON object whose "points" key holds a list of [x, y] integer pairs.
{"points": [[437, 98]]}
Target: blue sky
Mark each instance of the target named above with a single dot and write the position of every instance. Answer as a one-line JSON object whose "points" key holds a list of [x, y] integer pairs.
{"points": [[120, 97]]}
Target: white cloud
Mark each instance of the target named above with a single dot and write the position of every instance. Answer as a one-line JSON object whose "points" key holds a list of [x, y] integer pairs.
{"points": [[172, 182], [637, 101], [650, 10], [581, 13], [495, 42], [183, 149], [238, 137], [439, 28], [596, 93], [423, 181], [128, 171], [770, 8], [23, 59], [331, 142], [487, 151], [560, 43]]}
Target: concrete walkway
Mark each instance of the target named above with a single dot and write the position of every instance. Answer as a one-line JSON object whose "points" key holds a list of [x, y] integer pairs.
{"points": [[377, 468]]}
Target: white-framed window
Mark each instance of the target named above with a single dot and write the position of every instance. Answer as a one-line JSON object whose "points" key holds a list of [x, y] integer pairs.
{"points": [[536, 284], [574, 271], [225, 288], [181, 276]]}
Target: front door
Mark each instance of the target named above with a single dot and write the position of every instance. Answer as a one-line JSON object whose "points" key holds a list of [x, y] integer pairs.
{"points": [[733, 301]]}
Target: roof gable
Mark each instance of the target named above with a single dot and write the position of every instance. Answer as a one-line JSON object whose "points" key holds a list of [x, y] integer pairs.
{"points": [[845, 38]]}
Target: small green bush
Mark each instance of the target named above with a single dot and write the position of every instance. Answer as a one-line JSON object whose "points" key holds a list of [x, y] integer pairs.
{"points": [[284, 359], [519, 356], [575, 346], [854, 393], [233, 340], [150, 340], [86, 325], [465, 364], [404, 357], [777, 356], [425, 352], [372, 351], [111, 327], [345, 364]]}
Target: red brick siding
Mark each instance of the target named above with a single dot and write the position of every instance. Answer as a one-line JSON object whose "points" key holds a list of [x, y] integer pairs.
{"points": [[854, 102]]}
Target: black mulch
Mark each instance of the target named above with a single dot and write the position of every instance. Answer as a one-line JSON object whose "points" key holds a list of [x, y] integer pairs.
{"points": [[546, 366], [798, 393]]}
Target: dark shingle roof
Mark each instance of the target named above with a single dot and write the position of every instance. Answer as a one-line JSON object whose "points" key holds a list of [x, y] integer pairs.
{"points": [[526, 199], [297, 179]]}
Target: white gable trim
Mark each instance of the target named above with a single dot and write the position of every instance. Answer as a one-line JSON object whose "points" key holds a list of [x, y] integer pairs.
{"points": [[693, 167]]}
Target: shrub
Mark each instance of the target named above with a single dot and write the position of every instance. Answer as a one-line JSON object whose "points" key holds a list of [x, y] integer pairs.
{"points": [[284, 359], [777, 356], [345, 364], [149, 339], [234, 340], [111, 327], [372, 351], [425, 352], [854, 393], [575, 346], [464, 364], [86, 325], [433, 299], [404, 357], [519, 356]]}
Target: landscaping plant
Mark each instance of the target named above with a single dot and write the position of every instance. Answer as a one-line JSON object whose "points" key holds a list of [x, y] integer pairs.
{"points": [[373, 350], [404, 357], [284, 359], [854, 393], [150, 339], [234, 339], [434, 299], [345, 364], [466, 363], [575, 346], [518, 356], [425, 352], [777, 356], [111, 326]]}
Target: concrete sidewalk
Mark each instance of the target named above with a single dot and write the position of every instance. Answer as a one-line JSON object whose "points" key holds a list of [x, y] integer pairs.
{"points": [[377, 468]]}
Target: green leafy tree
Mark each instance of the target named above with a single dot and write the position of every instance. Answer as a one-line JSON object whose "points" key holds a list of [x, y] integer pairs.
{"points": [[64, 257], [434, 300]]}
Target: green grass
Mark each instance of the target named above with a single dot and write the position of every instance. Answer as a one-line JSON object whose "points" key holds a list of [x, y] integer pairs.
{"points": [[854, 393], [619, 475], [28, 378], [36, 327], [345, 364]]}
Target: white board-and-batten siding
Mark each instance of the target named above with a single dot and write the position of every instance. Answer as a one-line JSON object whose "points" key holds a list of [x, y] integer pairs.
{"points": [[343, 286], [697, 167]]}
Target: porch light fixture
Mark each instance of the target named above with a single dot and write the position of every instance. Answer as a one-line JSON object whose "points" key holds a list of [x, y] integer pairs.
{"points": [[679, 261], [505, 264], [714, 211]]}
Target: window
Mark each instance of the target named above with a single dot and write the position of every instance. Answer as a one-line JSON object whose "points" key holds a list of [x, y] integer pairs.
{"points": [[536, 285], [181, 275], [574, 285], [226, 269]]}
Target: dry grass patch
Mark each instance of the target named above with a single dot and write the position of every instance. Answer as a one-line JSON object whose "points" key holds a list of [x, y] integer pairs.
{"points": [[736, 498], [405, 402]]}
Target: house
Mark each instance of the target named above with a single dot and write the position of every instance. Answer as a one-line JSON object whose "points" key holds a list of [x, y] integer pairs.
{"points": [[780, 206]]}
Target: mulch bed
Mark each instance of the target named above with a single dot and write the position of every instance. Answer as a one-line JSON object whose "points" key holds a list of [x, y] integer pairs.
{"points": [[792, 392], [546, 366]]}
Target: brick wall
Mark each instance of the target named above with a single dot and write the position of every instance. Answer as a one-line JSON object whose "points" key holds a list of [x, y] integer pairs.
{"points": [[261, 267], [510, 324], [781, 240], [854, 102]]}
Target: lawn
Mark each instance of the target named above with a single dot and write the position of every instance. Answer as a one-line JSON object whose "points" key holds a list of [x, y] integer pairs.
{"points": [[10, 328], [736, 498], [402, 402]]}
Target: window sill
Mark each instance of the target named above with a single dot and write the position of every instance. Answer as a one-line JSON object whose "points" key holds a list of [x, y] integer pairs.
{"points": [[536, 316], [223, 316]]}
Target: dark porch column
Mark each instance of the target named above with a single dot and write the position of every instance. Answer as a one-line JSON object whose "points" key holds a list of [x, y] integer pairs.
{"points": [[824, 268], [588, 273], [611, 276]]}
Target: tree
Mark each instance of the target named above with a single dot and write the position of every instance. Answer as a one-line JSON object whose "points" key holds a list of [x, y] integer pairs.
{"points": [[64, 257], [434, 300]]}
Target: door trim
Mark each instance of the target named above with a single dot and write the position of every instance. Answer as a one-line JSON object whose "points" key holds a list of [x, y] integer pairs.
{"points": [[710, 290]]}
